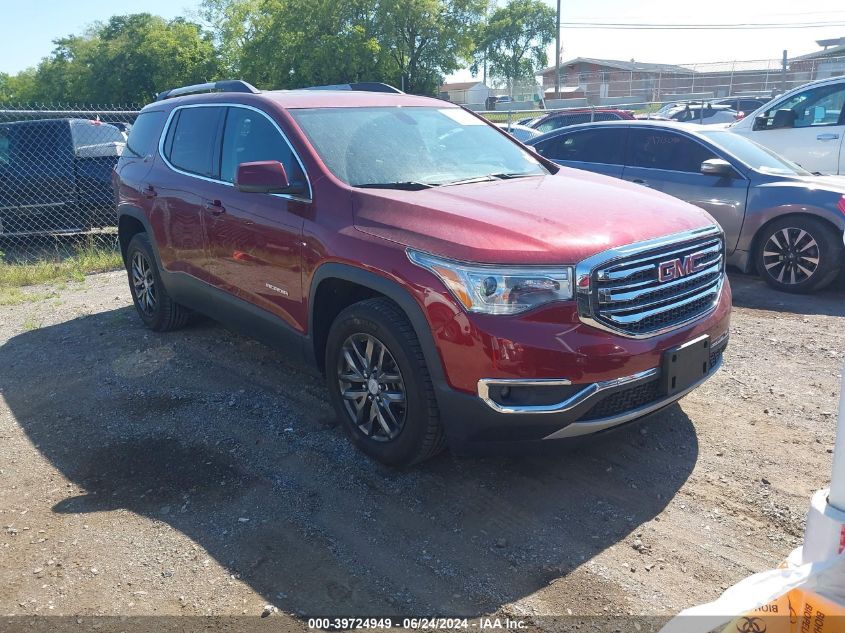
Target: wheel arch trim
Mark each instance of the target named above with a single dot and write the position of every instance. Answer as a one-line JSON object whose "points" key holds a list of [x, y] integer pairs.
{"points": [[390, 289]]}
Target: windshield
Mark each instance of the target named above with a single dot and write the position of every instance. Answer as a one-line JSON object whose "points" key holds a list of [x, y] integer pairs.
{"points": [[415, 147], [754, 155]]}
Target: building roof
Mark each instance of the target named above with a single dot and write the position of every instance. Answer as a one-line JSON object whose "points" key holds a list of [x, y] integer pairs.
{"points": [[621, 65], [461, 85], [829, 51]]}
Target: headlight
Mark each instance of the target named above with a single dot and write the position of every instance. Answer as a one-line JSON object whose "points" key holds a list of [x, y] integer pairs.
{"points": [[499, 290]]}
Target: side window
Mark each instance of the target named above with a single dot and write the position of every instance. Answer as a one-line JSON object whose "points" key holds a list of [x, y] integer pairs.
{"points": [[194, 140], [144, 135], [249, 136], [603, 146], [658, 149], [822, 105]]}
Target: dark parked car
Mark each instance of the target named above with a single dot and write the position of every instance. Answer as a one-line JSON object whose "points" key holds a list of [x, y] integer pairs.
{"points": [[778, 219], [55, 175], [565, 118], [451, 285]]}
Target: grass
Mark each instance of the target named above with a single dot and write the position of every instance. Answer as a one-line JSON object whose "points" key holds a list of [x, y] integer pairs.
{"points": [[85, 261]]}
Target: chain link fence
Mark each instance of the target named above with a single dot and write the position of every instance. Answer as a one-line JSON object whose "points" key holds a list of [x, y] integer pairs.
{"points": [[55, 179], [601, 83]]}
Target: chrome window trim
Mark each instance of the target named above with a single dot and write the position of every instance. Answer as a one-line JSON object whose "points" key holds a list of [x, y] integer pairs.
{"points": [[166, 129], [585, 268]]}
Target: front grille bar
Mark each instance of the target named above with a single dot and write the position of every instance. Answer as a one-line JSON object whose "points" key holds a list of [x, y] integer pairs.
{"points": [[621, 291]]}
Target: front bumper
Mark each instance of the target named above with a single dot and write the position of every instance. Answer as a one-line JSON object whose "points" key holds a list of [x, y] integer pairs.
{"points": [[588, 408]]}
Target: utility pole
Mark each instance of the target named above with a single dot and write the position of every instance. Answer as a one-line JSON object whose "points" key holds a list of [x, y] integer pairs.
{"points": [[557, 54], [784, 64]]}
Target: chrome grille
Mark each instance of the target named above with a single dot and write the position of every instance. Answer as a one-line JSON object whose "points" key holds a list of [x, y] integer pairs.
{"points": [[624, 293]]}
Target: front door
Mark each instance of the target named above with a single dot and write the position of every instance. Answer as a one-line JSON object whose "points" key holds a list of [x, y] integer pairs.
{"points": [[670, 162], [255, 239], [816, 140]]}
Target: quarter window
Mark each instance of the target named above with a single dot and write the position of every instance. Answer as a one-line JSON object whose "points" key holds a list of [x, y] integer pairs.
{"points": [[144, 135], [657, 149], [249, 136], [606, 146], [193, 141]]}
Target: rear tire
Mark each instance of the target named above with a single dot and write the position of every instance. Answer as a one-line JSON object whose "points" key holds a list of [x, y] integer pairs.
{"points": [[157, 309], [380, 386], [798, 254]]}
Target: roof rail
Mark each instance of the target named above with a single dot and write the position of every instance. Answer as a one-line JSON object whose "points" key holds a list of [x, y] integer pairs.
{"points": [[226, 85], [365, 86]]}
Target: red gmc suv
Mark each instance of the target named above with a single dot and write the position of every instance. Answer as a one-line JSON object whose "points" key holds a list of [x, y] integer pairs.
{"points": [[452, 285]]}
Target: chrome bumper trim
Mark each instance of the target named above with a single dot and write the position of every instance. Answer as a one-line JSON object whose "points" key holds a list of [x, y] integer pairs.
{"points": [[570, 403], [593, 426]]}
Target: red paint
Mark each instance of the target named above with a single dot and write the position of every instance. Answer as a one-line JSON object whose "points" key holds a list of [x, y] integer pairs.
{"points": [[841, 205], [556, 219]]}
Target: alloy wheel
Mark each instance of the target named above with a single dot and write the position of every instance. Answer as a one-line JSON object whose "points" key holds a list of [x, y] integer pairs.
{"points": [[791, 256], [143, 281], [372, 387]]}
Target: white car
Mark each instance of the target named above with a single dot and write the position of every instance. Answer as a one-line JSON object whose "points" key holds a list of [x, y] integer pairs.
{"points": [[805, 125]]}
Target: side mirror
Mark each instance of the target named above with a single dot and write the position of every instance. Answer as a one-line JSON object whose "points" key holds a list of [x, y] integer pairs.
{"points": [[264, 176], [717, 167], [784, 118]]}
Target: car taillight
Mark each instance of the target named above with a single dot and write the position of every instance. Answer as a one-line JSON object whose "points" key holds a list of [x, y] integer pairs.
{"points": [[841, 204], [739, 115]]}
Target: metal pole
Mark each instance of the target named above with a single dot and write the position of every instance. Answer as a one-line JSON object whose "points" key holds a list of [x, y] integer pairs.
{"points": [[836, 497], [783, 74], [557, 54]]}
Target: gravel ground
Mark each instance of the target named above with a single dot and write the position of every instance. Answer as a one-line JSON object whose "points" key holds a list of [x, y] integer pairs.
{"points": [[199, 472]]}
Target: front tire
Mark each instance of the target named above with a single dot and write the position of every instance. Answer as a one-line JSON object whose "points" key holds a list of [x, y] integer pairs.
{"points": [[798, 254], [157, 309], [379, 384]]}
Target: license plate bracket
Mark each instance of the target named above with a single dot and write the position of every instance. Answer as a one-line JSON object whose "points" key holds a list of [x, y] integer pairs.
{"points": [[685, 365]]}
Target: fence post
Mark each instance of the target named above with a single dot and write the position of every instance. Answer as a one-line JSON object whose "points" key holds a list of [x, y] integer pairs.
{"points": [[783, 73], [731, 84], [659, 77]]}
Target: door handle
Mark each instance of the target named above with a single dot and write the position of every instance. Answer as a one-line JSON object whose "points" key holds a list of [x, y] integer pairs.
{"points": [[150, 191], [827, 137], [640, 181], [215, 206]]}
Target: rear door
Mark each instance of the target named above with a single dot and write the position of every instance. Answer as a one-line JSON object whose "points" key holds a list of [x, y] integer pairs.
{"points": [[255, 239], [670, 161], [177, 195], [600, 149]]}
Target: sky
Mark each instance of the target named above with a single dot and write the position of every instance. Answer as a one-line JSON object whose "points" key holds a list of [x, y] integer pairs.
{"points": [[30, 27]]}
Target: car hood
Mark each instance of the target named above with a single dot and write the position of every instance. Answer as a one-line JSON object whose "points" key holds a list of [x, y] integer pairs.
{"points": [[560, 218]]}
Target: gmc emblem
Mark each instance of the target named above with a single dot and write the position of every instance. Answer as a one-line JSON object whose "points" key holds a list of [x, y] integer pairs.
{"points": [[677, 268]]}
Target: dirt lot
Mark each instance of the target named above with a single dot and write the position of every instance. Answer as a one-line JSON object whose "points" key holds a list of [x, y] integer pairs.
{"points": [[198, 472]]}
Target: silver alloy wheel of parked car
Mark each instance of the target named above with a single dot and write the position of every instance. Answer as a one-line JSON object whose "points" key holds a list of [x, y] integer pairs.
{"points": [[143, 282], [372, 387], [791, 255]]}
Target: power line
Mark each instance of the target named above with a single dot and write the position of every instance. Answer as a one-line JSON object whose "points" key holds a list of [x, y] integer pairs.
{"points": [[698, 27]]}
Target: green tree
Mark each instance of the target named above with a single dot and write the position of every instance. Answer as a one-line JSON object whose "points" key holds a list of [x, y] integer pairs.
{"points": [[514, 40], [427, 39], [296, 43], [125, 60]]}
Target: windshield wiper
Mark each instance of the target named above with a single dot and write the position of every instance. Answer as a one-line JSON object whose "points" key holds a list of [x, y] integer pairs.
{"points": [[467, 181], [408, 185], [509, 176]]}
